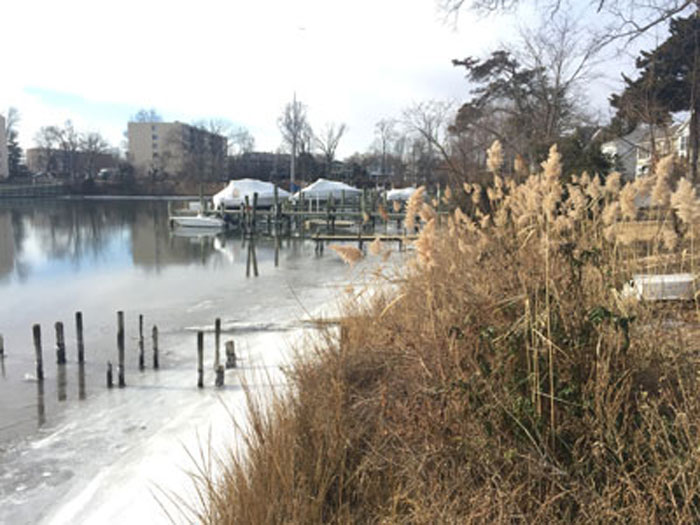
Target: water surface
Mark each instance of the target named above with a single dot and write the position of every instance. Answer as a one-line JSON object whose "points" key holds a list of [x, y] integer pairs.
{"points": [[100, 256]]}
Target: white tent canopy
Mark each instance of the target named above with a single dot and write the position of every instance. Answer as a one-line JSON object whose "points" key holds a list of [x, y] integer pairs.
{"points": [[322, 188], [400, 194], [235, 192]]}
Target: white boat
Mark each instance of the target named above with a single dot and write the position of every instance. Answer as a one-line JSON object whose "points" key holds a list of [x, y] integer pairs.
{"points": [[235, 192], [400, 194], [197, 221], [323, 188]]}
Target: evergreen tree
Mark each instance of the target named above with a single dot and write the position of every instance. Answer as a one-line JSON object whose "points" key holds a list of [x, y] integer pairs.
{"points": [[668, 82]]}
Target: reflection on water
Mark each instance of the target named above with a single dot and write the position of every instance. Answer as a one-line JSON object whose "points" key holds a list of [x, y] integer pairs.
{"points": [[40, 406], [59, 258], [84, 233], [61, 382]]}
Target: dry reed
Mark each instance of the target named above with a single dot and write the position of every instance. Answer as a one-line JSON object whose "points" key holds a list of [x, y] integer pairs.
{"points": [[506, 380]]}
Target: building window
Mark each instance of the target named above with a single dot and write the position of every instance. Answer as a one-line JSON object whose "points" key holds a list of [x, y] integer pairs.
{"points": [[153, 127]]}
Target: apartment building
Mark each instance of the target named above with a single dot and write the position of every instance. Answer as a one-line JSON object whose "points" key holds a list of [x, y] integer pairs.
{"points": [[174, 148], [4, 166]]}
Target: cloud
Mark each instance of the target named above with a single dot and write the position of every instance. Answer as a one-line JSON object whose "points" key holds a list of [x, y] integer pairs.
{"points": [[353, 62]]}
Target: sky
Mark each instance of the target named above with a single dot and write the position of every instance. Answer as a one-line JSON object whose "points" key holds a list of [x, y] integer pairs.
{"points": [[353, 62]]}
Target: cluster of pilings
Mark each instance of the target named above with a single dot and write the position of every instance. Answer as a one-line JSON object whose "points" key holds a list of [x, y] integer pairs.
{"points": [[219, 367], [61, 348]]}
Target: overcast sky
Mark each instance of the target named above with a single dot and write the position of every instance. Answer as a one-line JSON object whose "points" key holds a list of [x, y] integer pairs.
{"points": [[356, 62]]}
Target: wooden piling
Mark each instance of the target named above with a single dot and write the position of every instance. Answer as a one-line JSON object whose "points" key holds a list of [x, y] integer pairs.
{"points": [[200, 359], [219, 382], [142, 357], [217, 342], [230, 354], [38, 355], [247, 218], [120, 349], [255, 257], [79, 336], [61, 383], [60, 344], [249, 254], [2, 347], [110, 378], [155, 347], [255, 209], [40, 406], [81, 381]]}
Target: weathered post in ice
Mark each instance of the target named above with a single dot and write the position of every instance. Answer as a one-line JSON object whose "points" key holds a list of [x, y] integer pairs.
{"points": [[36, 330], [200, 359], [2, 347], [217, 342], [230, 354], [142, 357], [219, 382], [60, 344], [120, 349], [155, 347], [79, 336], [110, 377]]}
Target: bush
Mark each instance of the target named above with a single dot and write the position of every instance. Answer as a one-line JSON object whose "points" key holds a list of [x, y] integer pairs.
{"points": [[506, 380]]}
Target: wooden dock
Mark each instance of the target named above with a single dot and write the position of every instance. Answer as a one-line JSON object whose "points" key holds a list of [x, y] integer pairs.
{"points": [[323, 238]]}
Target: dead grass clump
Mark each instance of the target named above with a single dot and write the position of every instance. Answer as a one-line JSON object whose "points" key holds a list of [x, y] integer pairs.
{"points": [[506, 380]]}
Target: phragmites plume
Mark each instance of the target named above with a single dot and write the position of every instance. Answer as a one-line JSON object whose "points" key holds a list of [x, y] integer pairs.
{"points": [[661, 194], [520, 166], [413, 206], [611, 213], [425, 244], [476, 193], [552, 166], [382, 212], [447, 197], [349, 254], [612, 184], [397, 206], [375, 247], [669, 239], [585, 179], [365, 217], [628, 206], [577, 202], [427, 213], [494, 157], [684, 201], [594, 189]]}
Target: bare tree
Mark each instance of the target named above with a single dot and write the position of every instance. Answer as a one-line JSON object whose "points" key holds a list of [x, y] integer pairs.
{"points": [[626, 20], [147, 115], [46, 140], [11, 120], [328, 142], [385, 133], [294, 128], [92, 145], [429, 121], [240, 141]]}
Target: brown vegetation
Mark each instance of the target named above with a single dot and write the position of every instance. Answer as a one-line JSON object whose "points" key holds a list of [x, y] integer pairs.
{"points": [[507, 380]]}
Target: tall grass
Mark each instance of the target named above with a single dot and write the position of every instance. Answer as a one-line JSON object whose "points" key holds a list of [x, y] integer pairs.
{"points": [[507, 380]]}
